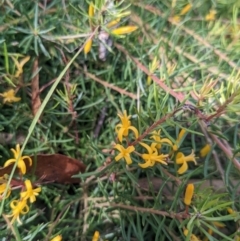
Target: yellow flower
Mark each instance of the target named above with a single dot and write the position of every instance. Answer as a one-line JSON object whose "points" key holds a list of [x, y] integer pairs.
{"points": [[179, 139], [90, 10], [186, 9], [205, 150], [158, 140], [176, 19], [87, 46], [189, 194], [20, 65], [18, 207], [30, 193], [3, 187], [113, 22], [124, 30], [96, 236], [211, 15], [182, 159], [192, 237], [152, 157], [9, 96], [57, 238], [124, 153], [123, 129], [19, 159]]}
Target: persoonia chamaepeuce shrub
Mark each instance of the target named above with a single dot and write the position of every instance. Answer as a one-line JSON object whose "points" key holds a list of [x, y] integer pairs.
{"points": [[145, 94]]}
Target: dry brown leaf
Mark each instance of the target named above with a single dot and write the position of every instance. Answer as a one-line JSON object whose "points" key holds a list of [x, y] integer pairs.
{"points": [[52, 168]]}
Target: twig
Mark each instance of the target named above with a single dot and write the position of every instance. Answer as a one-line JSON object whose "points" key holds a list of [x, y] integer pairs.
{"points": [[111, 86], [179, 216]]}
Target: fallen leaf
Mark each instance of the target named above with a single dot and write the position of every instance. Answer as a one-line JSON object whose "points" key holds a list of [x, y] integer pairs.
{"points": [[51, 168]]}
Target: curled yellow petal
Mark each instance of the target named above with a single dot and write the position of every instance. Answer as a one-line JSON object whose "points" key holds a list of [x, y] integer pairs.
{"points": [[186, 9], [183, 168], [146, 164], [88, 46], [181, 135], [96, 236], [189, 194], [124, 30], [205, 150], [113, 22], [57, 238], [91, 10]]}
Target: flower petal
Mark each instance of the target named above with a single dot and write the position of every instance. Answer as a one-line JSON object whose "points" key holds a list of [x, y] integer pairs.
{"points": [[29, 159], [145, 165], [146, 147], [124, 30], [118, 157], [189, 194], [118, 147], [183, 168], [179, 158], [9, 162], [120, 134], [205, 150], [128, 159], [134, 129], [22, 166]]}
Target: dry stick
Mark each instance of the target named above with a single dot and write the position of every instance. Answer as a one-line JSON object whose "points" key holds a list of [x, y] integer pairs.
{"points": [[222, 108], [226, 149], [221, 55], [55, 223], [153, 126], [110, 86], [150, 210], [178, 96], [100, 122]]}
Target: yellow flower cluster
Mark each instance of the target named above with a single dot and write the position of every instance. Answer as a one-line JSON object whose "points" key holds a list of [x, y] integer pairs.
{"points": [[117, 31], [153, 154], [27, 193]]}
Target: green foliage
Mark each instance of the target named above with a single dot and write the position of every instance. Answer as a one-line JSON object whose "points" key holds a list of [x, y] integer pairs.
{"points": [[176, 71]]}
